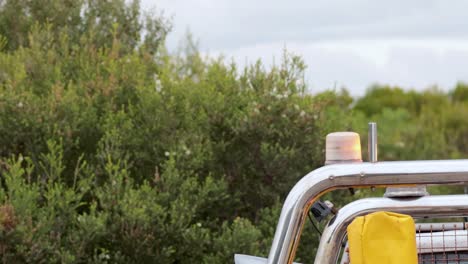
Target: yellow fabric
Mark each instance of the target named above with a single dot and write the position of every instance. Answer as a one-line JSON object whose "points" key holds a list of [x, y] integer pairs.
{"points": [[382, 238]]}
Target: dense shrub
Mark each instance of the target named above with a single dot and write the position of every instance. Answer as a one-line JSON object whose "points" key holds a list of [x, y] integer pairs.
{"points": [[113, 155], [114, 151]]}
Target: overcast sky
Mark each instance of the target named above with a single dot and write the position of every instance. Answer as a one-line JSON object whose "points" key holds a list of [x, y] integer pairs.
{"points": [[345, 43]]}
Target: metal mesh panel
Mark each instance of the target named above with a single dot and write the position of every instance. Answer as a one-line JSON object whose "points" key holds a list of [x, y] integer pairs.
{"points": [[442, 243]]}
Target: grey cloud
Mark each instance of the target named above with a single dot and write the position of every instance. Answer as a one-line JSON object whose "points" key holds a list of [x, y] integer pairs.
{"points": [[350, 43], [407, 64], [229, 24]]}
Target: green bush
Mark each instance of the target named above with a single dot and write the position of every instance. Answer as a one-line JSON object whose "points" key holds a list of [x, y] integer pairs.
{"points": [[116, 153], [112, 150]]}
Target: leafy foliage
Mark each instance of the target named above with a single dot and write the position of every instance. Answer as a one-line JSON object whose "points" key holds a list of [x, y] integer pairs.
{"points": [[114, 151]]}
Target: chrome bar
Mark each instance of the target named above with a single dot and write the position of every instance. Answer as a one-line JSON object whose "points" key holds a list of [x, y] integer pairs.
{"points": [[435, 227], [372, 142], [427, 206], [327, 178]]}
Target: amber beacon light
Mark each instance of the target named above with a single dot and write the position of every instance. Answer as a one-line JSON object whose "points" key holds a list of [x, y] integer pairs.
{"points": [[343, 147]]}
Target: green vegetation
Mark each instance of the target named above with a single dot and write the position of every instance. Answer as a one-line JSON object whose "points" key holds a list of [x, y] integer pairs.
{"points": [[114, 151]]}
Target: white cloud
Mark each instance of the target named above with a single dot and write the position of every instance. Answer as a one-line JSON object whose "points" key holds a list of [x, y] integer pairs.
{"points": [[356, 64], [350, 43]]}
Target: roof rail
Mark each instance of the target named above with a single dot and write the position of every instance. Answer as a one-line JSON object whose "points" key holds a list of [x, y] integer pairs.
{"points": [[353, 175]]}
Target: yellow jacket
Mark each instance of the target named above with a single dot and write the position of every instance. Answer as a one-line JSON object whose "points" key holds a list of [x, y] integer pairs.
{"points": [[382, 238]]}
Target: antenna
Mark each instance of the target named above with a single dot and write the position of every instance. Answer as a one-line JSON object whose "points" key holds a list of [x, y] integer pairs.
{"points": [[372, 143]]}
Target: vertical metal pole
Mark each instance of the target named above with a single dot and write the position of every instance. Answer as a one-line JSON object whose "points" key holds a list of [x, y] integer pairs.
{"points": [[372, 142]]}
